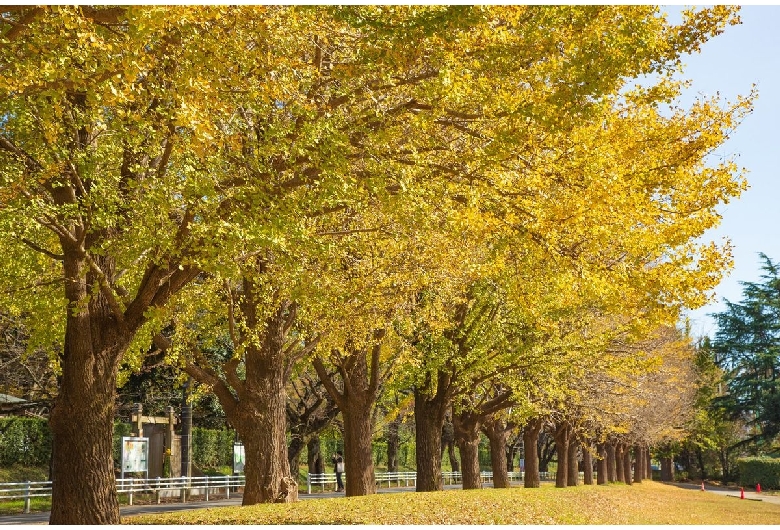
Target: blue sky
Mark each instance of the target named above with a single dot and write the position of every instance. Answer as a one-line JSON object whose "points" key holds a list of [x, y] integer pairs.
{"points": [[729, 64]]}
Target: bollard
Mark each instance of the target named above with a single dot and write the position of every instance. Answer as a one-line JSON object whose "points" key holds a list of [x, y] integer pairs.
{"points": [[27, 497], [741, 493]]}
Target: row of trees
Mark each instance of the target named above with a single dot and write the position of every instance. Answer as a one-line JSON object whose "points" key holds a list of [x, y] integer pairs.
{"points": [[480, 208]]}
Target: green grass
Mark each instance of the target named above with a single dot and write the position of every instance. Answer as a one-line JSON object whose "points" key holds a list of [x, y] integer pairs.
{"points": [[645, 503], [17, 473]]}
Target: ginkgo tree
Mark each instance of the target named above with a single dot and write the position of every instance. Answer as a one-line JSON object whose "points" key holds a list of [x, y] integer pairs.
{"points": [[144, 147]]}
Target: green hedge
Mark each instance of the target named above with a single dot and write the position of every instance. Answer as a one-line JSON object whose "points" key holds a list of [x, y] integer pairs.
{"points": [[212, 448], [24, 441], [27, 442], [759, 470]]}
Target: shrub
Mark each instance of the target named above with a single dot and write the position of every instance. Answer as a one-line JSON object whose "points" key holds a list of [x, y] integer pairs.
{"points": [[759, 470], [212, 448], [24, 441]]}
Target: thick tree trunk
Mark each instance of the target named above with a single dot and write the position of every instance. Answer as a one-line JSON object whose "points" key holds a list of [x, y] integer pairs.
{"points": [[429, 412], [648, 464], [314, 456], [256, 405], [358, 433], [467, 439], [609, 448], [639, 463], [81, 422], [587, 464], [84, 486], [498, 434], [530, 453], [361, 380], [572, 460], [562, 434], [627, 464], [667, 469], [602, 476], [393, 444], [294, 450], [260, 419], [619, 468]]}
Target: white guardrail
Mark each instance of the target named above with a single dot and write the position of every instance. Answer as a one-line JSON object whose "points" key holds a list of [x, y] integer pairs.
{"points": [[409, 478], [184, 487]]}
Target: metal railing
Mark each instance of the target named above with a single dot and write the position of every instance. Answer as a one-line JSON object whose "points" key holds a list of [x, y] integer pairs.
{"points": [[409, 478], [24, 490], [183, 487]]}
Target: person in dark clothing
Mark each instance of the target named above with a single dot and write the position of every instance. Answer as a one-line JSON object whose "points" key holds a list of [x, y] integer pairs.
{"points": [[338, 465]]}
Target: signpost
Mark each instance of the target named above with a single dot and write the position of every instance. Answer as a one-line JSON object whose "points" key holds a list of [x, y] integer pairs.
{"points": [[238, 458], [135, 455]]}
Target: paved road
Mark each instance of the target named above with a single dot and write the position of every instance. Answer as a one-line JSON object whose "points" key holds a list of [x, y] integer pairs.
{"points": [[43, 517], [729, 492]]}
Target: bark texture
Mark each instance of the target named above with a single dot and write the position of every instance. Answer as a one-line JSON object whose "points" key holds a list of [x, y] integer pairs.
{"points": [[626, 453], [530, 439], [562, 435], [467, 426], [587, 464], [610, 450], [639, 463], [602, 476], [572, 472], [360, 374], [256, 404], [429, 412], [497, 432]]}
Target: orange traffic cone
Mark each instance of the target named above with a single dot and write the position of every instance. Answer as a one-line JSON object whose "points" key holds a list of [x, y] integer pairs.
{"points": [[758, 488], [702, 485], [741, 493]]}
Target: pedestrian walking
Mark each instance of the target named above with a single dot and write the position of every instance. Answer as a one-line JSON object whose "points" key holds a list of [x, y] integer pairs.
{"points": [[338, 464]]}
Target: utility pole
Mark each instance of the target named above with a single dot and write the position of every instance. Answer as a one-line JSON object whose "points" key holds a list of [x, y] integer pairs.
{"points": [[186, 431]]}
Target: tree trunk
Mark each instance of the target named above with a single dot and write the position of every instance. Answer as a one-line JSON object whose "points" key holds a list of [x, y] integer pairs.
{"points": [[700, 462], [84, 486], [314, 456], [627, 464], [358, 458], [619, 468], [562, 433], [467, 439], [448, 443], [587, 464], [531, 455], [81, 422], [498, 434], [602, 475], [429, 412], [572, 472], [639, 463], [648, 464], [294, 450], [667, 469], [260, 419], [393, 444], [361, 386]]}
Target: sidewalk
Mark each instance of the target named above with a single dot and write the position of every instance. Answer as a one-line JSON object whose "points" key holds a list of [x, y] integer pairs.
{"points": [[728, 491]]}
